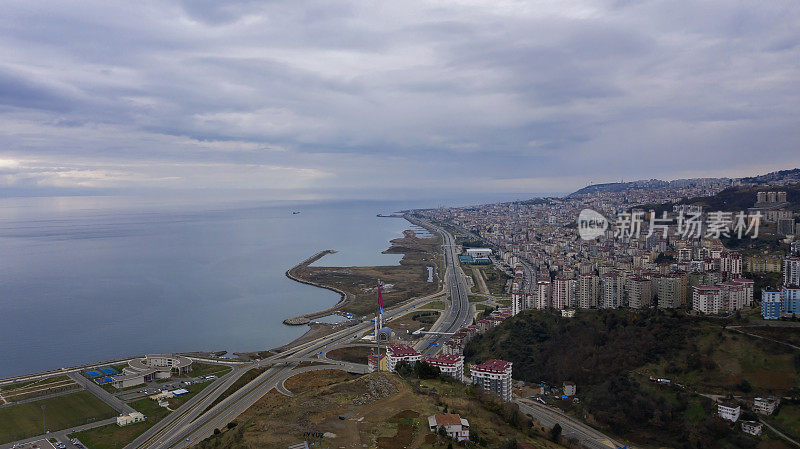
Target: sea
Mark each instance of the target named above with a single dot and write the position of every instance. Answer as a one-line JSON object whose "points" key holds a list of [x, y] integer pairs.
{"points": [[91, 279]]}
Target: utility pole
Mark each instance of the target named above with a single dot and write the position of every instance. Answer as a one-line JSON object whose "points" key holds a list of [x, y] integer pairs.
{"points": [[44, 422]]}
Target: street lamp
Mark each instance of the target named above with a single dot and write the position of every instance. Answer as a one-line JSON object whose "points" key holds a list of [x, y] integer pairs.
{"points": [[44, 422]]}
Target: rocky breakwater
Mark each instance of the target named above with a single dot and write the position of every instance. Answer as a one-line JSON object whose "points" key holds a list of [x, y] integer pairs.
{"points": [[294, 274]]}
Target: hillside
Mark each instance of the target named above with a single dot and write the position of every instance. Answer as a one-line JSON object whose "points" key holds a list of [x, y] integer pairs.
{"points": [[611, 354], [333, 409], [781, 177], [736, 199]]}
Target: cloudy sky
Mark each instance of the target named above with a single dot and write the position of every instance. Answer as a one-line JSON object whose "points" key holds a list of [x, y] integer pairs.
{"points": [[316, 99]]}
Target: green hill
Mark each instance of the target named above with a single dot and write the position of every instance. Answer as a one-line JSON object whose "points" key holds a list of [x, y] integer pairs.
{"points": [[611, 354]]}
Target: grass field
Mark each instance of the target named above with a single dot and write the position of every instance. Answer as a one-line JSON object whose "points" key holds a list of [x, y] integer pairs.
{"points": [[240, 382], [413, 321], [207, 369], [474, 298], [439, 305], [728, 358], [36, 388], [787, 419], [25, 420], [114, 437]]}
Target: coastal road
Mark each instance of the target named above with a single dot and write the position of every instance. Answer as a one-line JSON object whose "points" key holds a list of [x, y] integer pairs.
{"points": [[457, 314], [571, 427], [193, 422]]}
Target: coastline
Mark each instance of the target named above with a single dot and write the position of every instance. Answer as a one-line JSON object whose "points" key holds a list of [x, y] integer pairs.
{"points": [[305, 318], [315, 330]]}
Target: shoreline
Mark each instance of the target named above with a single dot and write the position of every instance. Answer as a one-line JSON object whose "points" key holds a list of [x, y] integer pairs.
{"points": [[315, 330], [305, 318]]}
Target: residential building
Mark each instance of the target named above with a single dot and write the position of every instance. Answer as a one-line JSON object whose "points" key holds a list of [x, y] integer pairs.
{"points": [[749, 286], [450, 364], [766, 406], [639, 292], [669, 292], [398, 352], [569, 388], [754, 428], [786, 226], [612, 286], [729, 411], [587, 291], [376, 362], [494, 376], [707, 299], [454, 425], [770, 304], [562, 293], [790, 300], [791, 271], [543, 292]]}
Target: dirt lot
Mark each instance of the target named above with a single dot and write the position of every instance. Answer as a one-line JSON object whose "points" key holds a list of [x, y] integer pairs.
{"points": [[401, 282], [333, 409], [352, 354]]}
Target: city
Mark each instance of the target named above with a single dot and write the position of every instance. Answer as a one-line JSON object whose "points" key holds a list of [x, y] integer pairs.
{"points": [[428, 224]]}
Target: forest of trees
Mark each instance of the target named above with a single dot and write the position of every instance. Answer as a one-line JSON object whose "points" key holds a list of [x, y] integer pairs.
{"points": [[598, 350]]}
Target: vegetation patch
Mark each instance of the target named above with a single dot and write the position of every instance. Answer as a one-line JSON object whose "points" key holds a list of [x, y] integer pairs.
{"points": [[407, 280], [439, 305], [61, 412], [200, 369], [611, 355], [378, 410]]}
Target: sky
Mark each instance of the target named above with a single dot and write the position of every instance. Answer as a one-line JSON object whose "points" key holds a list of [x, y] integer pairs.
{"points": [[374, 99]]}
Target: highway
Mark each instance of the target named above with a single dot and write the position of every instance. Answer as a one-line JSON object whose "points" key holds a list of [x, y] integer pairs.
{"points": [[570, 427], [458, 314], [192, 423]]}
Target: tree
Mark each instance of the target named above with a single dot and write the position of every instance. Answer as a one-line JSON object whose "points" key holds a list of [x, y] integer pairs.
{"points": [[555, 432]]}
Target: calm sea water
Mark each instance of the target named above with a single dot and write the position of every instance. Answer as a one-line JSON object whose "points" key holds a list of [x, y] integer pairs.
{"points": [[91, 279]]}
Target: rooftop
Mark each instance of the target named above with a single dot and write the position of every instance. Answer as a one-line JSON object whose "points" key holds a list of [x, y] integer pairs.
{"points": [[493, 365], [402, 351], [451, 419], [444, 359]]}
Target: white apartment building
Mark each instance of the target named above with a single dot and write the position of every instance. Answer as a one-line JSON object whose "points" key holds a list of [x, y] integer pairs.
{"points": [[707, 299], [791, 271], [729, 411], [543, 292], [494, 376], [562, 293], [450, 364], [766, 406], [396, 353]]}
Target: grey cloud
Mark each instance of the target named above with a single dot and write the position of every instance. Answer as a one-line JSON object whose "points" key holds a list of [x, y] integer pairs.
{"points": [[395, 94]]}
